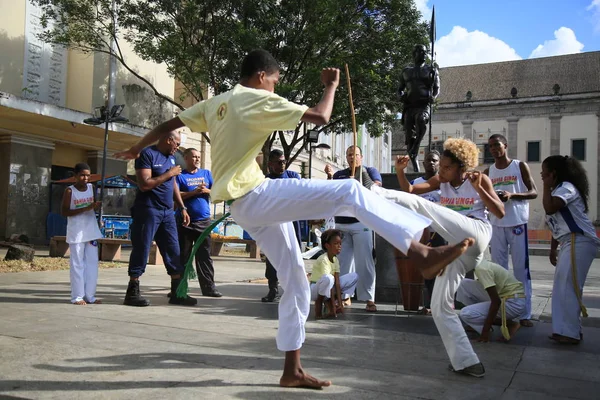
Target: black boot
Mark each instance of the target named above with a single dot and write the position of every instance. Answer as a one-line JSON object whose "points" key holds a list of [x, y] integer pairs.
{"points": [[185, 301], [133, 297], [272, 296]]}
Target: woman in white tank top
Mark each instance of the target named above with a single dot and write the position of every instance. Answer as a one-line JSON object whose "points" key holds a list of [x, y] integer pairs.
{"points": [[466, 197]]}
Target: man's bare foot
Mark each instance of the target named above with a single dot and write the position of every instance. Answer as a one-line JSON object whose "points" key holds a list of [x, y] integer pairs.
{"points": [[80, 303], [302, 380], [433, 259], [513, 327], [347, 302], [97, 301], [319, 308], [526, 323]]}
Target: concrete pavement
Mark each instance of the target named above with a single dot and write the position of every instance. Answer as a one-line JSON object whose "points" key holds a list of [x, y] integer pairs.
{"points": [[225, 348]]}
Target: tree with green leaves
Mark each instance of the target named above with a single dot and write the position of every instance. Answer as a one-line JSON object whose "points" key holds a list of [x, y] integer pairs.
{"points": [[202, 42]]}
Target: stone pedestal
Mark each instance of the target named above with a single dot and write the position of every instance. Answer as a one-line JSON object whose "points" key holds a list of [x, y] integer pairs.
{"points": [[387, 287]]}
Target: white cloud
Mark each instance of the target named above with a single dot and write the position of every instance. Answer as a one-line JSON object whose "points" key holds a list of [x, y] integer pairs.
{"points": [[461, 47], [594, 7], [564, 42], [426, 10]]}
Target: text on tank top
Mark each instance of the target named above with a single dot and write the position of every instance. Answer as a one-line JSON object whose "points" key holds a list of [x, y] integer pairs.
{"points": [[510, 180], [464, 200], [83, 227]]}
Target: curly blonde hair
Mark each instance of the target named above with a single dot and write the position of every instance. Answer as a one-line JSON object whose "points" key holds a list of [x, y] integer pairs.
{"points": [[464, 151]]}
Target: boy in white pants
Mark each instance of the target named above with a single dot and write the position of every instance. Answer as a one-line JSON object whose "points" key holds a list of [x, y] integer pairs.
{"points": [[515, 186], [239, 122], [495, 293], [325, 280], [82, 234]]}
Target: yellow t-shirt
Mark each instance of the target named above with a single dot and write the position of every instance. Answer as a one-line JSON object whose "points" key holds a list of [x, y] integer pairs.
{"points": [[239, 121], [491, 274], [323, 266]]}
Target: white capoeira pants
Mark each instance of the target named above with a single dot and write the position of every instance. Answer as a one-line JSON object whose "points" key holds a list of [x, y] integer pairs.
{"points": [[453, 227], [265, 213], [477, 302], [327, 282], [514, 239], [566, 312], [83, 271], [357, 256]]}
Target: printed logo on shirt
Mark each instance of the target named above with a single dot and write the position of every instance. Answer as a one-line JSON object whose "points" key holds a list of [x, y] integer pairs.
{"points": [[222, 111], [457, 203], [518, 230], [504, 180], [80, 203]]}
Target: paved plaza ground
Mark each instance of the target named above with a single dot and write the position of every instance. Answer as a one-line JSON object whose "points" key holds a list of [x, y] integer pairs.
{"points": [[225, 348]]}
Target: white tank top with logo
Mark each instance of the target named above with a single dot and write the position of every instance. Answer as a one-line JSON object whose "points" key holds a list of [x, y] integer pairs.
{"points": [[82, 227], [464, 200], [510, 180], [433, 196]]}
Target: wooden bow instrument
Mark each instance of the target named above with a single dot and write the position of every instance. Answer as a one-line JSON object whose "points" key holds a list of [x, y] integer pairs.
{"points": [[353, 119]]}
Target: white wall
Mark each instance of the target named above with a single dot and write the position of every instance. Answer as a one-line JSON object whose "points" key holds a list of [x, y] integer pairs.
{"points": [[534, 129], [583, 127]]}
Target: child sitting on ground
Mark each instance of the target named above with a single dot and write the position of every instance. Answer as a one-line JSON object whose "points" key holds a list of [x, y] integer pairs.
{"points": [[326, 283], [78, 206], [495, 293]]}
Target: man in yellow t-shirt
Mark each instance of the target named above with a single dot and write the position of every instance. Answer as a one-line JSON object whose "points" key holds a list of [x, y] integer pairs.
{"points": [[239, 121], [483, 299]]}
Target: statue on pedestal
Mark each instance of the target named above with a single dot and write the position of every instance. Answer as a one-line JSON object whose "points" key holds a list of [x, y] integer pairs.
{"points": [[419, 87]]}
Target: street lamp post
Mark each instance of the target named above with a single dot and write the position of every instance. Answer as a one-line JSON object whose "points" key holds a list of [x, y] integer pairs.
{"points": [[313, 137], [106, 116]]}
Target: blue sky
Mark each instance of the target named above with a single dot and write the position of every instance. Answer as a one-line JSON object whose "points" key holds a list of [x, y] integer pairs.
{"points": [[473, 32]]}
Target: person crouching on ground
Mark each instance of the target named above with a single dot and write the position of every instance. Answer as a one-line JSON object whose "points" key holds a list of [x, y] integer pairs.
{"points": [[495, 293], [326, 283]]}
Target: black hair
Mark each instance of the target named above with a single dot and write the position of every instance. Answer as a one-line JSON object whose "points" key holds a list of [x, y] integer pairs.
{"points": [[275, 154], [433, 153], [453, 158], [188, 151], [257, 61], [329, 234], [500, 137], [569, 169], [353, 146], [79, 167]]}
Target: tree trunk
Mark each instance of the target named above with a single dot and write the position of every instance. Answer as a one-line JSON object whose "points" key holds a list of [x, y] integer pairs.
{"points": [[20, 252]]}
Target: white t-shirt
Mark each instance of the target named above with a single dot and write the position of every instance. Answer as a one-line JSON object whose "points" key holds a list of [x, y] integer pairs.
{"points": [[510, 180], [83, 227], [433, 196], [572, 217], [464, 200]]}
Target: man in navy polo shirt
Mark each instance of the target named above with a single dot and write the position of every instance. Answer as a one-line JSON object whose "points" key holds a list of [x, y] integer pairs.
{"points": [[277, 170], [194, 184], [153, 218]]}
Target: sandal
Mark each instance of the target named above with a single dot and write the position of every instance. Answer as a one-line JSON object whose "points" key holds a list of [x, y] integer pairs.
{"points": [[371, 308], [560, 339]]}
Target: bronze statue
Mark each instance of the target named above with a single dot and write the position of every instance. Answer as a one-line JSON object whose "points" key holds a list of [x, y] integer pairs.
{"points": [[419, 86]]}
